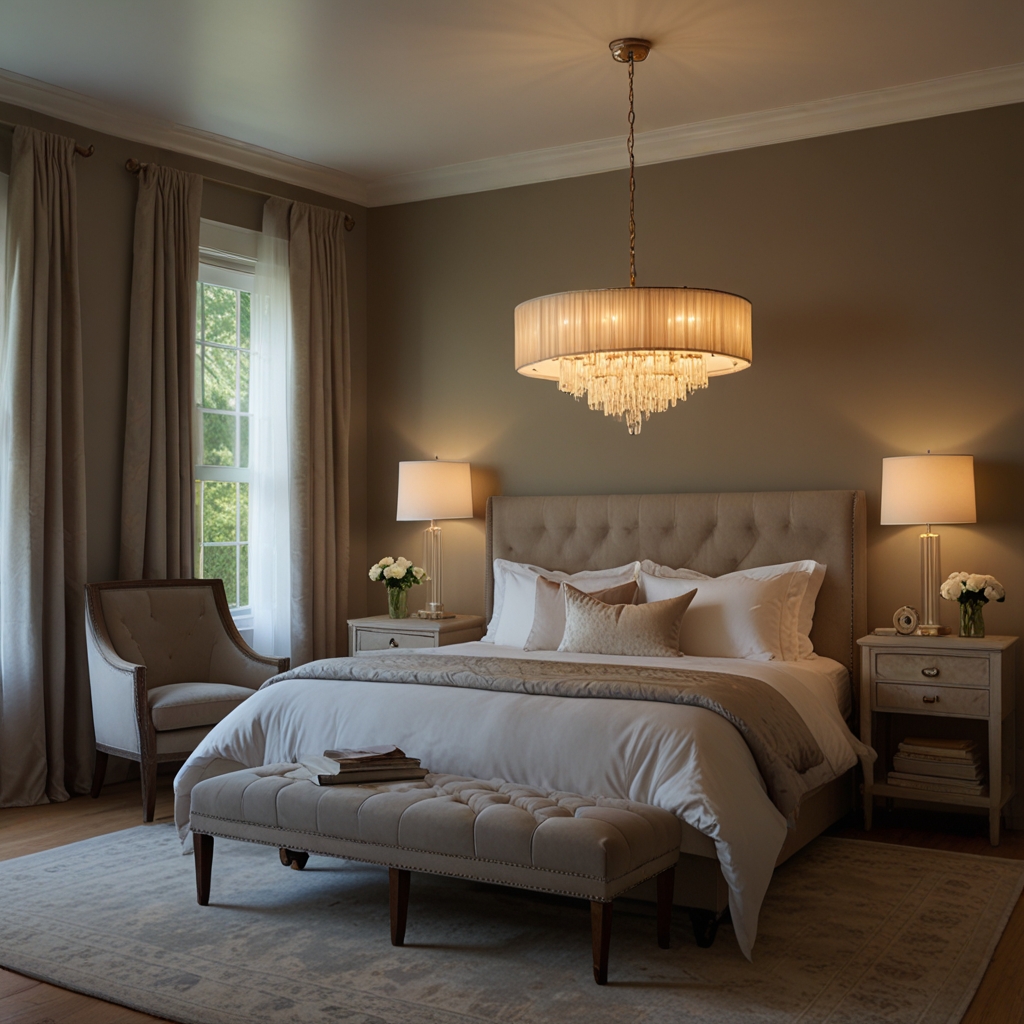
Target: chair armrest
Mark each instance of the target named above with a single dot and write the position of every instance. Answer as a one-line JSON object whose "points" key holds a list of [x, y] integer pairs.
{"points": [[120, 705], [234, 661]]}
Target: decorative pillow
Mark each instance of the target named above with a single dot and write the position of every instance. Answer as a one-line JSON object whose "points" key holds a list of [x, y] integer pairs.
{"points": [[806, 577], [638, 631], [549, 613], [515, 594]]}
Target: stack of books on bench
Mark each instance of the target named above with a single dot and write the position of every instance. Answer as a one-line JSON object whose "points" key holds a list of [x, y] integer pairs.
{"points": [[941, 766], [374, 764]]}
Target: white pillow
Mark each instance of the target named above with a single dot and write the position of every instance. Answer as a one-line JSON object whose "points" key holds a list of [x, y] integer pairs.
{"points": [[515, 595], [550, 610], [798, 614]]}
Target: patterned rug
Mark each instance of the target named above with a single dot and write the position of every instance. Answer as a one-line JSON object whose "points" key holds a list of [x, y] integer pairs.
{"points": [[851, 933]]}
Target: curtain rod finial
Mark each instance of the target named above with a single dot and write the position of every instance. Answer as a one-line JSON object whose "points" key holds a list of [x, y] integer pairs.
{"points": [[132, 165], [83, 151]]}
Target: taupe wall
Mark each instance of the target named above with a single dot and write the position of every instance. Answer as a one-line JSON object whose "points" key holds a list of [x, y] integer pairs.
{"points": [[885, 270], [106, 211]]}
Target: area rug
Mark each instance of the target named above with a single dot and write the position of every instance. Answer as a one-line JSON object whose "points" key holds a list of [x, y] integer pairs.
{"points": [[851, 933]]}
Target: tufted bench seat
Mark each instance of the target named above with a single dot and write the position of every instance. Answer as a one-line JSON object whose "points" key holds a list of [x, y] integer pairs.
{"points": [[501, 832]]}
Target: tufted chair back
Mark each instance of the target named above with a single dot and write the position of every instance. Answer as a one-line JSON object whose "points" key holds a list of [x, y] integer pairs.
{"points": [[177, 633]]}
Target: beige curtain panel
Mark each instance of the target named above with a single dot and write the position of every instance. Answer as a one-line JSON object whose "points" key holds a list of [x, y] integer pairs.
{"points": [[46, 742], [319, 402], [157, 497]]}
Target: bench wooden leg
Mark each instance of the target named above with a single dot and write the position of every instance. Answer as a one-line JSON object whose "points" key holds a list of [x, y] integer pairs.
{"points": [[666, 890], [98, 772], [398, 884], [202, 847], [601, 936], [294, 859]]}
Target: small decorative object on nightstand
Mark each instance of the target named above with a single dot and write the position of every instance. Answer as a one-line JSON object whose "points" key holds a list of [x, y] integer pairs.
{"points": [[940, 687], [381, 632], [973, 591]]}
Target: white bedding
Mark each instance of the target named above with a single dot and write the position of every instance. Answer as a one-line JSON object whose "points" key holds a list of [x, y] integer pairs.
{"points": [[685, 759]]}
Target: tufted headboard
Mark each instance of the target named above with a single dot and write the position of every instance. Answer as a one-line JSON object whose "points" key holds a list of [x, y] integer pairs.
{"points": [[712, 533]]}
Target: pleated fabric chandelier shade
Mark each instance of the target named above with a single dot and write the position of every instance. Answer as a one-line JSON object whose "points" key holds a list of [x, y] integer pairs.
{"points": [[632, 351]]}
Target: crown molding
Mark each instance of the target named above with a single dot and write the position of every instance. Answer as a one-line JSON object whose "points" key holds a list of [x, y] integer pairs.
{"points": [[972, 91], [153, 131]]}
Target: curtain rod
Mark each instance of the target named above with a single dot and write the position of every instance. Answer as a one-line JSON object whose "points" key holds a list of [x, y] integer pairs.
{"points": [[80, 150], [133, 166]]}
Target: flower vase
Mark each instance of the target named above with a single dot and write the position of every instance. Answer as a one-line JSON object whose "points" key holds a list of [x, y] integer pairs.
{"points": [[398, 604], [972, 619]]}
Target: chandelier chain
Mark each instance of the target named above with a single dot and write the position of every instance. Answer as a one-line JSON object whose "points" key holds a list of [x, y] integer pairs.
{"points": [[632, 183]]}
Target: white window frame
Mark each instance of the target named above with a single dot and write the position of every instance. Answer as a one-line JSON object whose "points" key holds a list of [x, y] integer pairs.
{"points": [[237, 272]]}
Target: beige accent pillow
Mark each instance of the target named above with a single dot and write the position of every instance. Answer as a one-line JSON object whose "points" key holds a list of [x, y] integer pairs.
{"points": [[640, 631], [549, 610]]}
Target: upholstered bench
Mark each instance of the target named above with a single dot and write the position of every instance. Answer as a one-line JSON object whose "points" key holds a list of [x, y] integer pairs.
{"points": [[501, 832]]}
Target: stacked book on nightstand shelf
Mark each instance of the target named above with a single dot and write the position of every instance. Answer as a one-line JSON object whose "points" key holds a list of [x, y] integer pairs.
{"points": [[941, 766]]}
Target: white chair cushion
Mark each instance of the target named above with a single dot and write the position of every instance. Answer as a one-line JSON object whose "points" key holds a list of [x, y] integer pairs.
{"points": [[186, 705]]}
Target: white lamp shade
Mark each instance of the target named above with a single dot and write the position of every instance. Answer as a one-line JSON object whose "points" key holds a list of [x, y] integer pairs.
{"points": [[927, 489], [434, 490]]}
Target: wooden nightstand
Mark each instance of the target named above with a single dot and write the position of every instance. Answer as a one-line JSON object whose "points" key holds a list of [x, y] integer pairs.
{"points": [[965, 687], [379, 632]]}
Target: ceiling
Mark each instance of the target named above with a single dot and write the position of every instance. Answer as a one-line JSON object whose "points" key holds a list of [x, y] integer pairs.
{"points": [[389, 90]]}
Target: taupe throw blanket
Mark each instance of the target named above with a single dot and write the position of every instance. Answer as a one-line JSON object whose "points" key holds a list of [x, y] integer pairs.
{"points": [[779, 740]]}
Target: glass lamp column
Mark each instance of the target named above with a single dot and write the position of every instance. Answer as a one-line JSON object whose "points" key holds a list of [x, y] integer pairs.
{"points": [[929, 625], [432, 563]]}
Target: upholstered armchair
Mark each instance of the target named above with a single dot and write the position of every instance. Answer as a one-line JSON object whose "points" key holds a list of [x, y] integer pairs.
{"points": [[166, 664]]}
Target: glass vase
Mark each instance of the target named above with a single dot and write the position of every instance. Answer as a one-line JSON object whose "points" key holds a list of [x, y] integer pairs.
{"points": [[972, 619], [398, 603]]}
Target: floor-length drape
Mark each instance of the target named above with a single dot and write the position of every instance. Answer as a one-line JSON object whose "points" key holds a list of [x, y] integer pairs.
{"points": [[157, 495], [318, 411], [46, 744]]}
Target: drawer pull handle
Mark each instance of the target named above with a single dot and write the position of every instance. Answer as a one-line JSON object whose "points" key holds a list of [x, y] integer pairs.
{"points": [[930, 700], [392, 642], [931, 673]]}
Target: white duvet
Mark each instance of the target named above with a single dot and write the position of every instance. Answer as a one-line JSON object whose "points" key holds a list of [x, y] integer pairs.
{"points": [[685, 759]]}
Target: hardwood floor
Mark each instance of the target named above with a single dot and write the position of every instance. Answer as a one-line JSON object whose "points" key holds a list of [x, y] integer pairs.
{"points": [[999, 1000]]}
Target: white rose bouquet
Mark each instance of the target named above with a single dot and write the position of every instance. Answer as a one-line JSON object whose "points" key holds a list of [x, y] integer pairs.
{"points": [[398, 575], [973, 591]]}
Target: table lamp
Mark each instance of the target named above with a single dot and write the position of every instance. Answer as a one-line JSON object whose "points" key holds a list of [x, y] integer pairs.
{"points": [[928, 489], [434, 490]]}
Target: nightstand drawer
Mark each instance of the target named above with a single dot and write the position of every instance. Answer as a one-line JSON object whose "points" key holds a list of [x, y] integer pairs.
{"points": [[932, 700], [381, 640], [934, 668]]}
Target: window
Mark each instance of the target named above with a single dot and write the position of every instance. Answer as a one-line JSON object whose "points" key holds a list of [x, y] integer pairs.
{"points": [[222, 472]]}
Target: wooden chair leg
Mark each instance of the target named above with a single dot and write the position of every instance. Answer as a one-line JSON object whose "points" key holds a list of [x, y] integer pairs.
{"points": [[666, 890], [147, 769], [601, 937], [398, 885], [202, 847], [98, 773]]}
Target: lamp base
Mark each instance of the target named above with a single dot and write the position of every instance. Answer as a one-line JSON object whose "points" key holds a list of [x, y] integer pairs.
{"points": [[929, 630], [434, 615]]}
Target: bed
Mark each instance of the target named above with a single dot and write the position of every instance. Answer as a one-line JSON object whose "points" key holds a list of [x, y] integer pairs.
{"points": [[685, 759]]}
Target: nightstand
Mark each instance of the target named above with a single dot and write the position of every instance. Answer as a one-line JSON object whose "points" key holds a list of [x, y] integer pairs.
{"points": [[379, 632], [963, 688]]}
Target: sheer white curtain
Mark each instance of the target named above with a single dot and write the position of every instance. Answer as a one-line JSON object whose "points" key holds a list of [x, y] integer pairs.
{"points": [[272, 372]]}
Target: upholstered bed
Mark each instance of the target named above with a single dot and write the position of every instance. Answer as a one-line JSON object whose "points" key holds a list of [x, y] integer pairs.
{"points": [[682, 758]]}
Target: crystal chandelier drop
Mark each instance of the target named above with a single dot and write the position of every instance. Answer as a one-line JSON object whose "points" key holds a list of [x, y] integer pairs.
{"points": [[632, 351]]}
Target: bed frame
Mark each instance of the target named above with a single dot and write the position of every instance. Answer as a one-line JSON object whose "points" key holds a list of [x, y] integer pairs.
{"points": [[714, 534]]}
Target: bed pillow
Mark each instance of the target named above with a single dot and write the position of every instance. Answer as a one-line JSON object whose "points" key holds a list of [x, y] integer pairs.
{"points": [[798, 615], [638, 631], [515, 592], [549, 610], [733, 616]]}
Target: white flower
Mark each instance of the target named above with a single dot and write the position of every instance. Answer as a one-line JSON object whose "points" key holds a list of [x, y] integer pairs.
{"points": [[385, 562], [418, 572], [403, 562], [394, 572], [950, 590], [976, 582], [994, 591], [375, 571]]}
